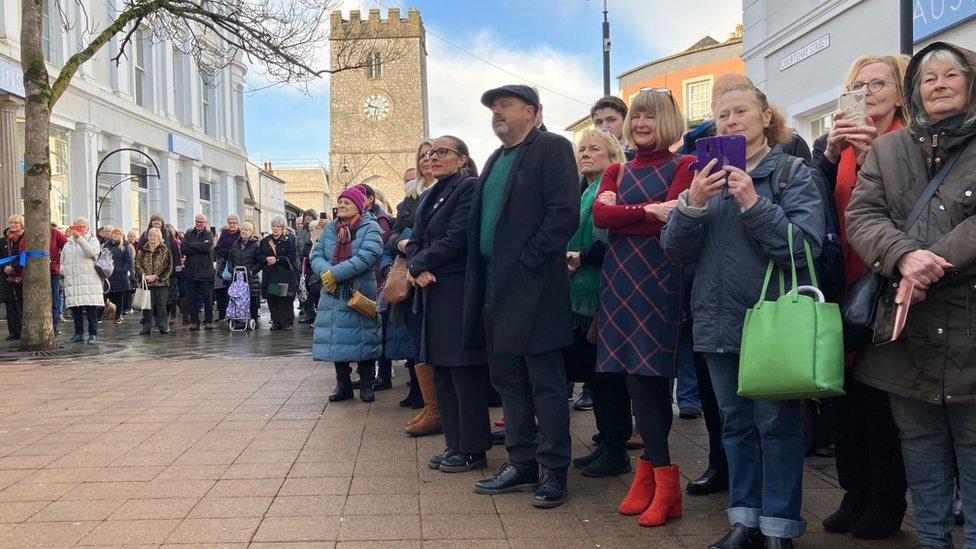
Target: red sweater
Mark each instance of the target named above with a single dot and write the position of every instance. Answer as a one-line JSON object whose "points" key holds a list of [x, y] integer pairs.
{"points": [[631, 219]]}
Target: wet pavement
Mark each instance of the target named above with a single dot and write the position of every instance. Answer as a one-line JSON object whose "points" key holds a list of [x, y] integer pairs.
{"points": [[228, 438]]}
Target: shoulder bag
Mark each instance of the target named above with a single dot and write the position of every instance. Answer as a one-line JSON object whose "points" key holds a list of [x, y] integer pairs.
{"points": [[142, 300], [792, 348], [397, 289]]}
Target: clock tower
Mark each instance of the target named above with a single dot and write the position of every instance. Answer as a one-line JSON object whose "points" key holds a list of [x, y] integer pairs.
{"points": [[379, 112]]}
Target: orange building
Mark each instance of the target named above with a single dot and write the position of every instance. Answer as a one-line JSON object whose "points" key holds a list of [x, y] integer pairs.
{"points": [[688, 74]]}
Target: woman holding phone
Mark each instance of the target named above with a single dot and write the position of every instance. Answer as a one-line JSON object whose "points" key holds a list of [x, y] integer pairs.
{"points": [[729, 224], [870, 468], [82, 285]]}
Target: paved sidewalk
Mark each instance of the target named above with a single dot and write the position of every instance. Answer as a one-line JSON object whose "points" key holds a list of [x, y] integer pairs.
{"points": [[245, 452]]}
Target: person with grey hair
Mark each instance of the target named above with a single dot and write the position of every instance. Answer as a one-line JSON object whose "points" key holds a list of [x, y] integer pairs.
{"points": [[922, 173], [82, 285], [198, 271], [12, 275], [229, 236], [278, 258]]}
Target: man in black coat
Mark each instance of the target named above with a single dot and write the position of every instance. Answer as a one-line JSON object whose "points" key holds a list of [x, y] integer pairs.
{"points": [[524, 210], [198, 271]]}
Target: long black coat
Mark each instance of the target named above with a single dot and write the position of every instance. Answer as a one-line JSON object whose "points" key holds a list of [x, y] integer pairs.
{"points": [[245, 254], [285, 270], [540, 213], [199, 251], [439, 244], [8, 291], [124, 266]]}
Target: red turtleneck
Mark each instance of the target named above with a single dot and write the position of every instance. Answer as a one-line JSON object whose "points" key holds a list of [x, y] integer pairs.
{"points": [[631, 219]]}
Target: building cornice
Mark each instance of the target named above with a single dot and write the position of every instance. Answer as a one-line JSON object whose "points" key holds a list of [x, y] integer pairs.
{"points": [[802, 25]]}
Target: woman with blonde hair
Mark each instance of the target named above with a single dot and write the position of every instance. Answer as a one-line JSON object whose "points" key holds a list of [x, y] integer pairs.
{"points": [[119, 282], [154, 264], [870, 468]]}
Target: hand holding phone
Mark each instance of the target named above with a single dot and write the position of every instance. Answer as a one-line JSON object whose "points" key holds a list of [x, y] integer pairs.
{"points": [[76, 229], [854, 104], [728, 150]]}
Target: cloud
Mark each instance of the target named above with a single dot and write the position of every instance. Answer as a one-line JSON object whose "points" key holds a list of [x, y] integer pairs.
{"points": [[664, 27], [456, 81]]}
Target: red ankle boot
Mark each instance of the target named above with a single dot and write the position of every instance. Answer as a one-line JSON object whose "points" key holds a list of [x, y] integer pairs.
{"points": [[641, 490], [667, 497]]}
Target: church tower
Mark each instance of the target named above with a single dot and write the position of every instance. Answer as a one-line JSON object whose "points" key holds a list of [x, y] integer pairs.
{"points": [[379, 112]]}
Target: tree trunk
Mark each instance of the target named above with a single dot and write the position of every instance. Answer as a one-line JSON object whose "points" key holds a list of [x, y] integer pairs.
{"points": [[38, 332]]}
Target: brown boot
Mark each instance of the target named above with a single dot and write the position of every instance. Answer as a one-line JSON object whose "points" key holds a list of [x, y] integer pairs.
{"points": [[635, 441], [429, 420]]}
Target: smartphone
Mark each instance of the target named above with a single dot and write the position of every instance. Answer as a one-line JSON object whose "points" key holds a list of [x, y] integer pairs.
{"points": [[730, 150], [854, 103], [80, 229], [324, 215]]}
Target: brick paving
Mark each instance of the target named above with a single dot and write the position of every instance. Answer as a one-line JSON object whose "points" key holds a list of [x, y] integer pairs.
{"points": [[245, 452]]}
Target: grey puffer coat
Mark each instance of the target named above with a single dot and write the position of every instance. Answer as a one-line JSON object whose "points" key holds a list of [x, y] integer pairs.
{"points": [[732, 250]]}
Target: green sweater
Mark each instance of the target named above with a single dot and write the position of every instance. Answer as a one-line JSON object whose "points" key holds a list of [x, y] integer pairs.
{"points": [[492, 194]]}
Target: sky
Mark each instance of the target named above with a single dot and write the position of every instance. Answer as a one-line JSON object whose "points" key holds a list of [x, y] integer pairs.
{"points": [[555, 45]]}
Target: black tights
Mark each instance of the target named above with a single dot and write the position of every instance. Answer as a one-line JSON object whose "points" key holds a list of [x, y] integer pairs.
{"points": [[651, 396], [344, 369]]}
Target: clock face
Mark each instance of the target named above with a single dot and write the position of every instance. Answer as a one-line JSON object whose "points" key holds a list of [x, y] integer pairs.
{"points": [[376, 107]]}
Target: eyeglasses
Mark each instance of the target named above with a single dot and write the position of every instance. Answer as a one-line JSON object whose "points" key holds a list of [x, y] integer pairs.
{"points": [[873, 86], [441, 153], [658, 90]]}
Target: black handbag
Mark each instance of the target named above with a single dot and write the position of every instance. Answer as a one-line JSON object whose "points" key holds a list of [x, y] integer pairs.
{"points": [[868, 308]]}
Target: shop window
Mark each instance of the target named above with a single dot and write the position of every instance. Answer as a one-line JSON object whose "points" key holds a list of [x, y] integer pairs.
{"points": [[206, 202], [60, 189], [821, 124], [698, 100], [140, 58]]}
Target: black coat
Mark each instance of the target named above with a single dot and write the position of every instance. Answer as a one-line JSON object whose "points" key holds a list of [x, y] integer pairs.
{"points": [[286, 268], [8, 291], [404, 217], [539, 214], [124, 266], [199, 251], [247, 256], [439, 245]]}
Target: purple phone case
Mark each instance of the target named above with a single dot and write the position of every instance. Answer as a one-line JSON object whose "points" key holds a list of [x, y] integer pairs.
{"points": [[730, 150]]}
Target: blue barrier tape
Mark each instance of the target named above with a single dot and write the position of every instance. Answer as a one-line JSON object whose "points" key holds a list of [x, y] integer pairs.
{"points": [[23, 257]]}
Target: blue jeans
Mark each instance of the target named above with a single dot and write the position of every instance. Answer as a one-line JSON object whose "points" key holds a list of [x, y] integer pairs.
{"points": [[56, 300], [764, 444], [929, 434], [687, 393]]}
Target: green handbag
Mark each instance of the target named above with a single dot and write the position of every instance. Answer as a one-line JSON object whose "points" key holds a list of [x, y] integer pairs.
{"points": [[792, 348]]}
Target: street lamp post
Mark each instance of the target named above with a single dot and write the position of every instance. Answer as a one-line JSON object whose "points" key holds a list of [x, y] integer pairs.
{"points": [[906, 27], [606, 51]]}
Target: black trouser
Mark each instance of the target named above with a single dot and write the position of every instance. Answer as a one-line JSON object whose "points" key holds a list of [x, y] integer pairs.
{"points": [[462, 396], [79, 314], [611, 408], [255, 305], [15, 313], [652, 408], [196, 290], [282, 310], [869, 460], [127, 299], [711, 413], [117, 299], [385, 364], [159, 297], [344, 369], [221, 297]]}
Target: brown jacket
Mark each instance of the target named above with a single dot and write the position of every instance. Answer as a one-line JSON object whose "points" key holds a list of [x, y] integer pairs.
{"points": [[157, 262], [935, 358]]}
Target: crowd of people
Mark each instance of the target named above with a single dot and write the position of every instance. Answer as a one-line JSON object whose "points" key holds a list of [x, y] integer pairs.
{"points": [[625, 264]]}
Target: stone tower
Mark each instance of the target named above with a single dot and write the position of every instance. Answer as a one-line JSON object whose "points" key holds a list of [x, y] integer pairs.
{"points": [[379, 113]]}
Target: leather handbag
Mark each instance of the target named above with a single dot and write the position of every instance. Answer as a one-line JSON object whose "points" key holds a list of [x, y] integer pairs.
{"points": [[792, 348], [362, 304], [397, 288], [868, 307]]}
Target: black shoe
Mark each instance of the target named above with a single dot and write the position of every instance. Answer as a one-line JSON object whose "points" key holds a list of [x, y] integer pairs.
{"points": [[612, 462], [366, 389], [713, 480], [551, 492], [343, 391], [778, 543], [498, 438], [382, 384], [414, 400], [460, 462], [509, 479], [195, 327], [851, 508], [164, 330], [145, 330], [740, 537], [434, 462], [11, 338], [585, 400], [879, 521], [689, 413], [582, 462]]}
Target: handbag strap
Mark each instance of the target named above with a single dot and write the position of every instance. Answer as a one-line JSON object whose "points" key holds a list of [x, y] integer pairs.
{"points": [[794, 292], [934, 184]]}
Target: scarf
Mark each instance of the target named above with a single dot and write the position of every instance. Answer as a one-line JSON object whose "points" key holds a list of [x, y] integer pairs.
{"points": [[846, 178], [343, 246], [584, 285]]}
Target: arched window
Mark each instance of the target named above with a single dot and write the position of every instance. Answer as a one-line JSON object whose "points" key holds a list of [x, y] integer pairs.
{"points": [[374, 65]]}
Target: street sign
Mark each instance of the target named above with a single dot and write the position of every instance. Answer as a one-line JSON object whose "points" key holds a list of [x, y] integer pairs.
{"points": [[812, 48], [12, 79], [184, 146], [932, 17]]}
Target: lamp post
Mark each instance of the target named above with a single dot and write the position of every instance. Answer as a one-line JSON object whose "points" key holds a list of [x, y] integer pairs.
{"points": [[344, 174], [906, 20], [606, 51]]}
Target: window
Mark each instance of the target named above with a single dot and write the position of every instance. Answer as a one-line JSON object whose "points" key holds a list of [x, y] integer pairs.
{"points": [[140, 82], [238, 126], [60, 192], [374, 65], [698, 100], [178, 85], [207, 97], [46, 29], [206, 204], [821, 124], [139, 196]]}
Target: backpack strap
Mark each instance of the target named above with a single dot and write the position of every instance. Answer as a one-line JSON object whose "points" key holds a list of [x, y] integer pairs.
{"points": [[786, 166]]}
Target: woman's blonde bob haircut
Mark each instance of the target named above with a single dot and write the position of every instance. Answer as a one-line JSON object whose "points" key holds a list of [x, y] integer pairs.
{"points": [[420, 184], [607, 143], [669, 124], [896, 64], [154, 231]]}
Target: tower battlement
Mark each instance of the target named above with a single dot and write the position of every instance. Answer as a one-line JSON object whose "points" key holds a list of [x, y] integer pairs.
{"points": [[374, 26]]}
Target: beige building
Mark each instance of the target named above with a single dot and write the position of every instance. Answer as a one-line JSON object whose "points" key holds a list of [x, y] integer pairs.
{"points": [[306, 183], [379, 113]]}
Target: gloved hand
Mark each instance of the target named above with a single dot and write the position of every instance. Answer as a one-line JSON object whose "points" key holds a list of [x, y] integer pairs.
{"points": [[329, 282]]}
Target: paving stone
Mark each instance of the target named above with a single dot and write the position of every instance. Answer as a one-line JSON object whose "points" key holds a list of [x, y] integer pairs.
{"points": [[65, 511], [220, 507], [45, 534], [306, 506], [130, 532], [232, 530], [326, 486], [462, 526], [283, 529], [361, 504], [168, 508], [380, 528]]}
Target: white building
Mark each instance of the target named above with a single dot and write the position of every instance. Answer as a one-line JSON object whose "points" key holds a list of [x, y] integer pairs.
{"points": [[155, 101], [798, 51], [269, 194]]}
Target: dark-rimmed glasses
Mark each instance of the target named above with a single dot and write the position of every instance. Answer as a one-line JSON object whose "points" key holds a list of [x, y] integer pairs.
{"points": [[874, 86], [441, 153]]}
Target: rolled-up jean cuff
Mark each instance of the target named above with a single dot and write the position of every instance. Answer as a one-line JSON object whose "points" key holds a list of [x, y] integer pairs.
{"points": [[745, 516], [782, 528]]}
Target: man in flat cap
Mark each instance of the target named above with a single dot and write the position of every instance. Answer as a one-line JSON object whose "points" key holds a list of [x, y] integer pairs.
{"points": [[524, 210]]}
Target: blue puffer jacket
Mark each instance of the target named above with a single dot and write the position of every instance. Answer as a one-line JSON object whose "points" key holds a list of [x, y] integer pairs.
{"points": [[342, 334], [733, 248], [397, 345], [123, 260]]}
